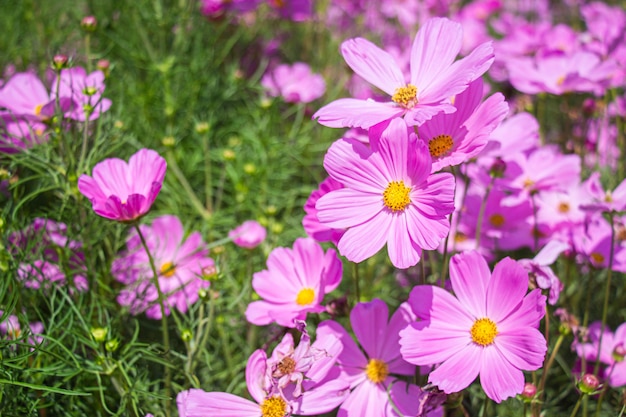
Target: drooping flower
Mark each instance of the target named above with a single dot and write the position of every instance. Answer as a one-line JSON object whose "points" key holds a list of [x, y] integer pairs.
{"points": [[371, 371], [455, 138], [124, 191], [294, 283], [294, 83], [181, 264], [488, 329], [390, 197], [434, 78], [248, 235]]}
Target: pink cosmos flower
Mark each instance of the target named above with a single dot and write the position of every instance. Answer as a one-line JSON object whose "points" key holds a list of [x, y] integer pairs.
{"points": [[455, 138], [605, 201], [540, 272], [10, 328], [316, 396], [248, 235], [296, 10], [370, 370], [488, 329], [390, 197], [294, 283], [181, 264], [124, 191], [311, 223], [435, 77], [43, 274], [611, 351], [85, 90], [295, 83], [25, 95]]}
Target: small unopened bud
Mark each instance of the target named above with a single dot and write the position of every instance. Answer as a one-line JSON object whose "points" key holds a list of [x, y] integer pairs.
{"points": [[497, 168], [588, 384], [529, 391], [112, 345], [202, 128], [186, 335], [168, 141], [249, 168], [99, 334], [209, 273], [228, 154], [89, 23], [105, 66], [59, 62]]}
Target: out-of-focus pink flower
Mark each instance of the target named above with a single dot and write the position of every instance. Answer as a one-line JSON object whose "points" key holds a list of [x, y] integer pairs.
{"points": [[605, 201], [294, 283], [389, 197], [249, 234], [181, 264], [311, 223], [435, 77], [124, 191], [85, 90], [11, 329], [488, 329], [215, 9], [294, 83], [296, 10], [43, 274], [540, 272], [611, 350]]}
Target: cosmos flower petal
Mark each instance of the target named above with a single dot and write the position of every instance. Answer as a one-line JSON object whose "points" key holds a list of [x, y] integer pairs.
{"points": [[403, 253], [346, 160], [524, 347], [350, 112], [470, 276], [198, 403], [432, 303], [427, 343], [373, 64], [458, 371], [366, 399], [255, 373], [426, 232], [506, 290], [365, 240], [369, 323], [498, 377], [345, 208]]}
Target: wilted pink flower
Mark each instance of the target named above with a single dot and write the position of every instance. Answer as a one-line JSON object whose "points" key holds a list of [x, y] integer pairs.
{"points": [[85, 90], [248, 235], [389, 198], [124, 191], [371, 370], [294, 83], [435, 77], [294, 283], [488, 329], [181, 264], [311, 223], [455, 138], [609, 348]]}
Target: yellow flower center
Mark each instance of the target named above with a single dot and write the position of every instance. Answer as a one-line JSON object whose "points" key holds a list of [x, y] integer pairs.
{"points": [[528, 183], [168, 269], [597, 257], [274, 407], [376, 371], [563, 208], [405, 96], [305, 296], [287, 365], [396, 196], [460, 237], [608, 197], [38, 108], [496, 220], [440, 145], [484, 331]]}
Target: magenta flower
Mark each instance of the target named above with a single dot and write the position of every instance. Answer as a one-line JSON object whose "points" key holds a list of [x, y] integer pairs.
{"points": [[181, 264], [25, 95], [390, 197], [455, 138], [294, 283], [434, 78], [294, 83], [124, 191], [605, 201], [489, 329], [85, 90], [248, 235], [370, 371]]}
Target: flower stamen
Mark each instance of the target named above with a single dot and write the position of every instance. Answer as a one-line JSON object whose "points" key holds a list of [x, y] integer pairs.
{"points": [[168, 269], [274, 407], [396, 196], [440, 145], [483, 332], [376, 371], [405, 96], [305, 296]]}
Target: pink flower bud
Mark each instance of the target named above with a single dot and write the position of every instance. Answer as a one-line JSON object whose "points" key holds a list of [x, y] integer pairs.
{"points": [[89, 23]]}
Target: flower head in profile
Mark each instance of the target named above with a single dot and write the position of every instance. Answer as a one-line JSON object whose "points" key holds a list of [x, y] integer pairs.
{"points": [[294, 83], [294, 283], [434, 78], [389, 197], [248, 235], [124, 191], [181, 264], [488, 329]]}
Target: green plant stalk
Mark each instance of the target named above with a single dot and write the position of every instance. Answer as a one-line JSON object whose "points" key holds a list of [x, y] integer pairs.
{"points": [[355, 272], [88, 52], [208, 183], [546, 369], [481, 213], [195, 202], [577, 406], [164, 327]]}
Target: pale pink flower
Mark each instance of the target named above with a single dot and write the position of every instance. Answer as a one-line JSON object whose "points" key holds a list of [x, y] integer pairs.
{"points": [[249, 234], [124, 191], [604, 201], [294, 283], [611, 351], [294, 83], [488, 329], [435, 77], [389, 197]]}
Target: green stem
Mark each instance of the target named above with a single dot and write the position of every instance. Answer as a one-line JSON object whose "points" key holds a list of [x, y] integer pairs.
{"points": [[195, 202], [164, 327], [208, 184], [481, 213], [88, 52], [577, 406], [546, 369], [355, 271]]}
